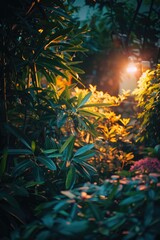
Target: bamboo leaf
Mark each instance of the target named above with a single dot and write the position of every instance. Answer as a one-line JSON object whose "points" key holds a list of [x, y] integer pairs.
{"points": [[98, 105], [136, 198], [83, 149], [48, 151], [84, 100], [71, 177], [21, 167], [90, 113], [67, 142], [19, 135], [19, 151], [47, 162], [3, 162]]}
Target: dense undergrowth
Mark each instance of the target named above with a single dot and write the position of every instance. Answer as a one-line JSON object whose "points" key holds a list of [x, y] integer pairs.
{"points": [[68, 152], [74, 177]]}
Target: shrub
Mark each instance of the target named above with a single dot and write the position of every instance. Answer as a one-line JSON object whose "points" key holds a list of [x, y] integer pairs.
{"points": [[121, 208], [147, 96], [146, 165], [113, 139]]}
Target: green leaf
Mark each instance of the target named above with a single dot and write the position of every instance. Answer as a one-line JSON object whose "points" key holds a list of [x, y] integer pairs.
{"points": [[61, 205], [15, 212], [38, 174], [51, 68], [67, 142], [9, 199], [48, 151], [21, 167], [33, 184], [79, 98], [95, 210], [3, 162], [44, 234], [98, 105], [74, 211], [82, 171], [61, 120], [72, 228], [55, 155], [148, 216], [89, 168], [86, 156], [33, 146], [48, 220], [19, 151], [136, 198], [83, 149], [29, 230], [71, 177], [12, 206], [84, 100], [47, 162], [77, 70], [19, 135], [116, 221], [90, 113]]}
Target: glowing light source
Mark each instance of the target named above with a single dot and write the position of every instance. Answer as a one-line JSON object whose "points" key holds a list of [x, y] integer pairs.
{"points": [[131, 68]]}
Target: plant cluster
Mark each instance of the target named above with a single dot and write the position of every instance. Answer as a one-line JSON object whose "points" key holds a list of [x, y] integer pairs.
{"points": [[113, 140], [147, 95], [60, 142], [146, 165], [121, 208]]}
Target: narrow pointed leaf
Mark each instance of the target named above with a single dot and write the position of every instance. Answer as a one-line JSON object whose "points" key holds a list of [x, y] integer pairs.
{"points": [[47, 162], [136, 198], [19, 151], [19, 135], [22, 167], [84, 100], [98, 105], [67, 142], [71, 177], [3, 162], [83, 149]]}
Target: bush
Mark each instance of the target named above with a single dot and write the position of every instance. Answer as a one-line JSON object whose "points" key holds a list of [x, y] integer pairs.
{"points": [[121, 208], [146, 165], [147, 96], [113, 139]]}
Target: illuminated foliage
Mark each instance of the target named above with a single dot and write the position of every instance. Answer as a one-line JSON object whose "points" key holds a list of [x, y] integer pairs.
{"points": [[113, 139], [147, 96]]}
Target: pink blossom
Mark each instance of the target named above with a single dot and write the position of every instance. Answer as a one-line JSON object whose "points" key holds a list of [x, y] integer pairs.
{"points": [[147, 164]]}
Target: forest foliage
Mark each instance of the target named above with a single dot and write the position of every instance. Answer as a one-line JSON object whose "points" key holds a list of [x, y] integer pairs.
{"points": [[66, 150]]}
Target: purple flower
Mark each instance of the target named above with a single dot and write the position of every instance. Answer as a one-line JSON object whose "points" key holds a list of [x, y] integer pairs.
{"points": [[146, 165]]}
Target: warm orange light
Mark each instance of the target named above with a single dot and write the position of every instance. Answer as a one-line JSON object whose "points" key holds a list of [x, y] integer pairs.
{"points": [[131, 68]]}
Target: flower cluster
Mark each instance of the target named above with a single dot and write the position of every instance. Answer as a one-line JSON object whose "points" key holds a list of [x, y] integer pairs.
{"points": [[146, 165]]}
